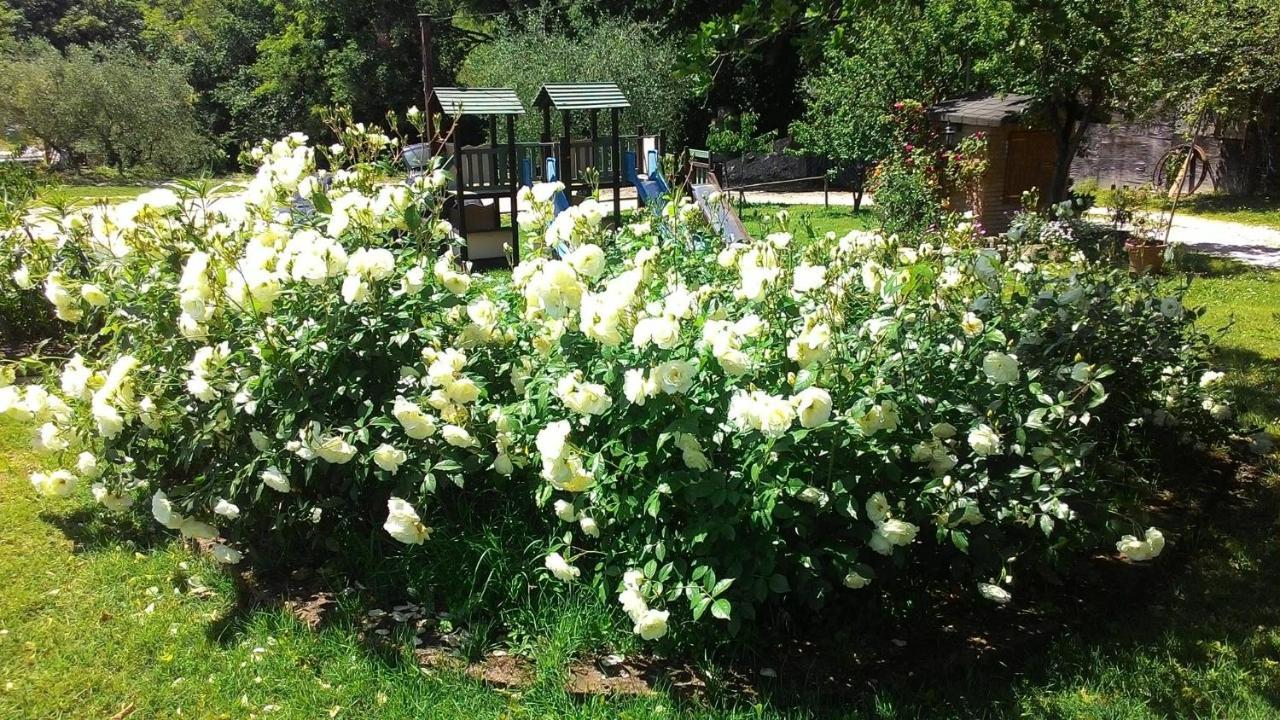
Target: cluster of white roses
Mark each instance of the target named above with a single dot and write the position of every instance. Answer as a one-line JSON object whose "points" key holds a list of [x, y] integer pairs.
{"points": [[784, 377]]}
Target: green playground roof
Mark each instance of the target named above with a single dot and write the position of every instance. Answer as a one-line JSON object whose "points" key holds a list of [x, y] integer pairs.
{"points": [[476, 101], [581, 96]]}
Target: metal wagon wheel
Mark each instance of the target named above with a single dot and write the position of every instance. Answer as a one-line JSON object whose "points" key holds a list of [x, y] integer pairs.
{"points": [[1166, 173]]}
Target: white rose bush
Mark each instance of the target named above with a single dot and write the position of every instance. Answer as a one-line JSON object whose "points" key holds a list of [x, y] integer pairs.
{"points": [[695, 431]]}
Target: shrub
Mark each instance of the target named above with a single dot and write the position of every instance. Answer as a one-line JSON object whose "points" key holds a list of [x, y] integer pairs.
{"points": [[22, 311], [792, 422]]}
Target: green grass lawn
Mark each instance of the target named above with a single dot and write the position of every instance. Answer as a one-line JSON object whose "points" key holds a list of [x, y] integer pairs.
{"points": [[803, 219], [84, 195], [99, 621], [1244, 304]]}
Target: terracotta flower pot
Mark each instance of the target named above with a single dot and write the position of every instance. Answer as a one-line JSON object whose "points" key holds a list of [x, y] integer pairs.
{"points": [[1145, 259]]}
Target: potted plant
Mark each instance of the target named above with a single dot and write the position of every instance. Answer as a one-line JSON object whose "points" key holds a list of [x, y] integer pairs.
{"points": [[1146, 254], [1144, 243]]}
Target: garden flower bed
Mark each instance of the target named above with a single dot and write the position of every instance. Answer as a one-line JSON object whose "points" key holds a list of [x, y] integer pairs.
{"points": [[698, 432]]}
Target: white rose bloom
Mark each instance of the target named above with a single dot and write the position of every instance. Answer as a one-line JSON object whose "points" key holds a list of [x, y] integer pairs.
{"points": [[813, 406], [275, 479], [225, 554], [1211, 377], [403, 523], [587, 260], [638, 387], [854, 581], [1001, 369], [994, 593], [335, 449], [192, 528], [109, 500], [652, 625], [49, 439], [162, 510], [898, 532], [93, 295], [354, 290], [87, 466], [59, 483], [552, 439], [416, 423], [458, 436], [565, 511], [589, 526], [971, 324], [808, 278], [878, 508], [561, 568], [108, 420], [984, 440], [226, 509], [389, 458], [675, 377], [1148, 548]]}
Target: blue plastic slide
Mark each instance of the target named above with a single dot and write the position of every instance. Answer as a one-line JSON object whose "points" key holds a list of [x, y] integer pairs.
{"points": [[650, 187], [559, 203]]}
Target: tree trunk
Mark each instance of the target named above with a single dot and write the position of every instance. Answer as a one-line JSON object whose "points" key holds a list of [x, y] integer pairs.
{"points": [[1057, 191]]}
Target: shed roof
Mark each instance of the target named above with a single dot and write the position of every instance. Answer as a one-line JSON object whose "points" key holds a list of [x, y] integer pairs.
{"points": [[985, 111], [457, 101], [581, 96]]}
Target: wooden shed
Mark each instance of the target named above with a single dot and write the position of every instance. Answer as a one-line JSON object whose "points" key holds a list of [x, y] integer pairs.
{"points": [[1021, 155]]}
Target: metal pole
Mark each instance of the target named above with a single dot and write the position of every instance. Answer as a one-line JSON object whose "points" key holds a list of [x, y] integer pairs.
{"points": [[595, 137], [428, 79]]}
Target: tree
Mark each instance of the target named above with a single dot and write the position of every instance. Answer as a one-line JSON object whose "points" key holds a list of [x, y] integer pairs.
{"points": [[64, 23], [1078, 58], [526, 55], [104, 101], [898, 52], [1219, 59]]}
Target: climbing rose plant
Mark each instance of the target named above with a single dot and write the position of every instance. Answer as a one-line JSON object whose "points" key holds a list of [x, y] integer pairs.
{"points": [[695, 429]]}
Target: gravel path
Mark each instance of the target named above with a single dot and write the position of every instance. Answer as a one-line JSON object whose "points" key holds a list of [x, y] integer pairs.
{"points": [[1249, 244]]}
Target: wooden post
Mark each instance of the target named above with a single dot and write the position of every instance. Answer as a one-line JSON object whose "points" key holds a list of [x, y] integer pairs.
{"points": [[494, 167], [595, 138], [546, 141], [515, 184], [461, 196], [617, 170], [566, 156]]}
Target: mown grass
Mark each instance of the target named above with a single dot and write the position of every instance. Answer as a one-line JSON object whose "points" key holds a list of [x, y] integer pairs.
{"points": [[804, 219], [86, 195], [100, 620], [1242, 305]]}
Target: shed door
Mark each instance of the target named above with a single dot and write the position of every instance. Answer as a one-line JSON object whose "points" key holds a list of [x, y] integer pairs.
{"points": [[1028, 163]]}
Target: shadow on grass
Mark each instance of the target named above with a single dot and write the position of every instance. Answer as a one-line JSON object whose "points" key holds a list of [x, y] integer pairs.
{"points": [[1192, 634], [91, 529]]}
